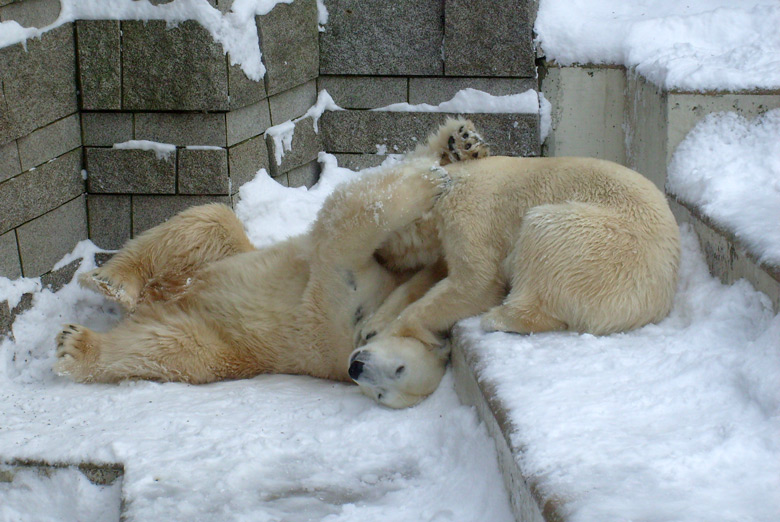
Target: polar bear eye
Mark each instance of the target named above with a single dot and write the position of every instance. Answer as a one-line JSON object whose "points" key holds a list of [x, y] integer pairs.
{"points": [[400, 370]]}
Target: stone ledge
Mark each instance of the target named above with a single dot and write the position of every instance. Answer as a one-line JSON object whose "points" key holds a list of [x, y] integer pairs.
{"points": [[352, 131], [726, 257], [525, 501], [99, 474]]}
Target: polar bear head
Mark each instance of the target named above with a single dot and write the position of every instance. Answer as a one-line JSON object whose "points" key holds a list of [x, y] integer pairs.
{"points": [[398, 372]]}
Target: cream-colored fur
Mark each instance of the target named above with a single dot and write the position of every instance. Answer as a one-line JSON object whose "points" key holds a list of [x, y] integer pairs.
{"points": [[535, 245], [583, 244], [203, 305]]}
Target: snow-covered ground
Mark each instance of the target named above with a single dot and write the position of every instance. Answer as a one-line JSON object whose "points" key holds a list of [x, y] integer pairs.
{"points": [[729, 168], [271, 448], [693, 45]]}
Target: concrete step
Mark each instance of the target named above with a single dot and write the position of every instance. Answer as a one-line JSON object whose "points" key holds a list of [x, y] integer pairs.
{"points": [[727, 258]]}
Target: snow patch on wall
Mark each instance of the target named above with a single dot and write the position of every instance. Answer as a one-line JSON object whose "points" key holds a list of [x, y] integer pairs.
{"points": [[236, 30], [283, 133], [163, 151], [475, 101]]}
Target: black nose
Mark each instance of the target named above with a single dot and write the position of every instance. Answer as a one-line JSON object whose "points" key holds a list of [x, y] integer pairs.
{"points": [[355, 369]]}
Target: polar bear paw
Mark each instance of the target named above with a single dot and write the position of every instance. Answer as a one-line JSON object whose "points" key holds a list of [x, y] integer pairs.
{"points": [[75, 352], [102, 281], [465, 143]]}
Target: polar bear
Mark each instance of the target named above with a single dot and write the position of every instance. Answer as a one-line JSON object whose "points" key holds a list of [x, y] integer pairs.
{"points": [[204, 305], [534, 245]]}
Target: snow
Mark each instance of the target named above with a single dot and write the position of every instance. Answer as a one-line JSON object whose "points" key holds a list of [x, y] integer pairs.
{"points": [[283, 133], [163, 151], [235, 30], [204, 147], [271, 448], [475, 101], [697, 45], [65, 494], [678, 421], [728, 167]]}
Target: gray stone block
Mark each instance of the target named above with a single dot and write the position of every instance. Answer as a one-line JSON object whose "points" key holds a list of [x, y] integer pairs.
{"points": [[129, 171], [149, 211], [49, 142], [181, 128], [488, 38], [9, 161], [358, 162], [364, 92], [281, 179], [100, 64], [109, 220], [56, 279], [362, 131], [247, 122], [10, 266], [40, 190], [245, 159], [6, 320], [180, 68], [292, 103], [203, 171], [43, 241], [304, 176], [38, 84], [31, 13], [437, 90], [377, 37], [103, 129], [243, 91], [289, 37], [306, 144]]}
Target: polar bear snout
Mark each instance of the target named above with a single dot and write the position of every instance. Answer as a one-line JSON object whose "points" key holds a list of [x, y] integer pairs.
{"points": [[355, 368], [397, 372]]}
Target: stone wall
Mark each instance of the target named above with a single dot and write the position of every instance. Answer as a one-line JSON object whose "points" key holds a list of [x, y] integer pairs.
{"points": [[375, 53], [41, 186], [73, 94]]}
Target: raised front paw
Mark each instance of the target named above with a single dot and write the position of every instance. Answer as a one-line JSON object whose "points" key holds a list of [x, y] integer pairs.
{"points": [[465, 143], [76, 353]]}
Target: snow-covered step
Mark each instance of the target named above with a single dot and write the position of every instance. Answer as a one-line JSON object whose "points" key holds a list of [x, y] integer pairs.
{"points": [[667, 422], [611, 113]]}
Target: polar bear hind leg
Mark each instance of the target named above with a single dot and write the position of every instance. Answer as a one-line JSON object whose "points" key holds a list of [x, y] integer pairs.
{"points": [[161, 343], [157, 264]]}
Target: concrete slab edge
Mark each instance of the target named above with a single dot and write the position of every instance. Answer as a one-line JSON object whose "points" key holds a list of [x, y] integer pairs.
{"points": [[727, 258], [525, 501]]}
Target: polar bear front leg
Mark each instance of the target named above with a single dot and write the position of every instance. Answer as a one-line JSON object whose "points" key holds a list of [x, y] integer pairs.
{"points": [[399, 299], [359, 217], [456, 140]]}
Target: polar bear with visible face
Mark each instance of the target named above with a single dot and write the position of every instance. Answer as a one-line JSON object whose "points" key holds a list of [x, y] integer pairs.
{"points": [[534, 245], [204, 305]]}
